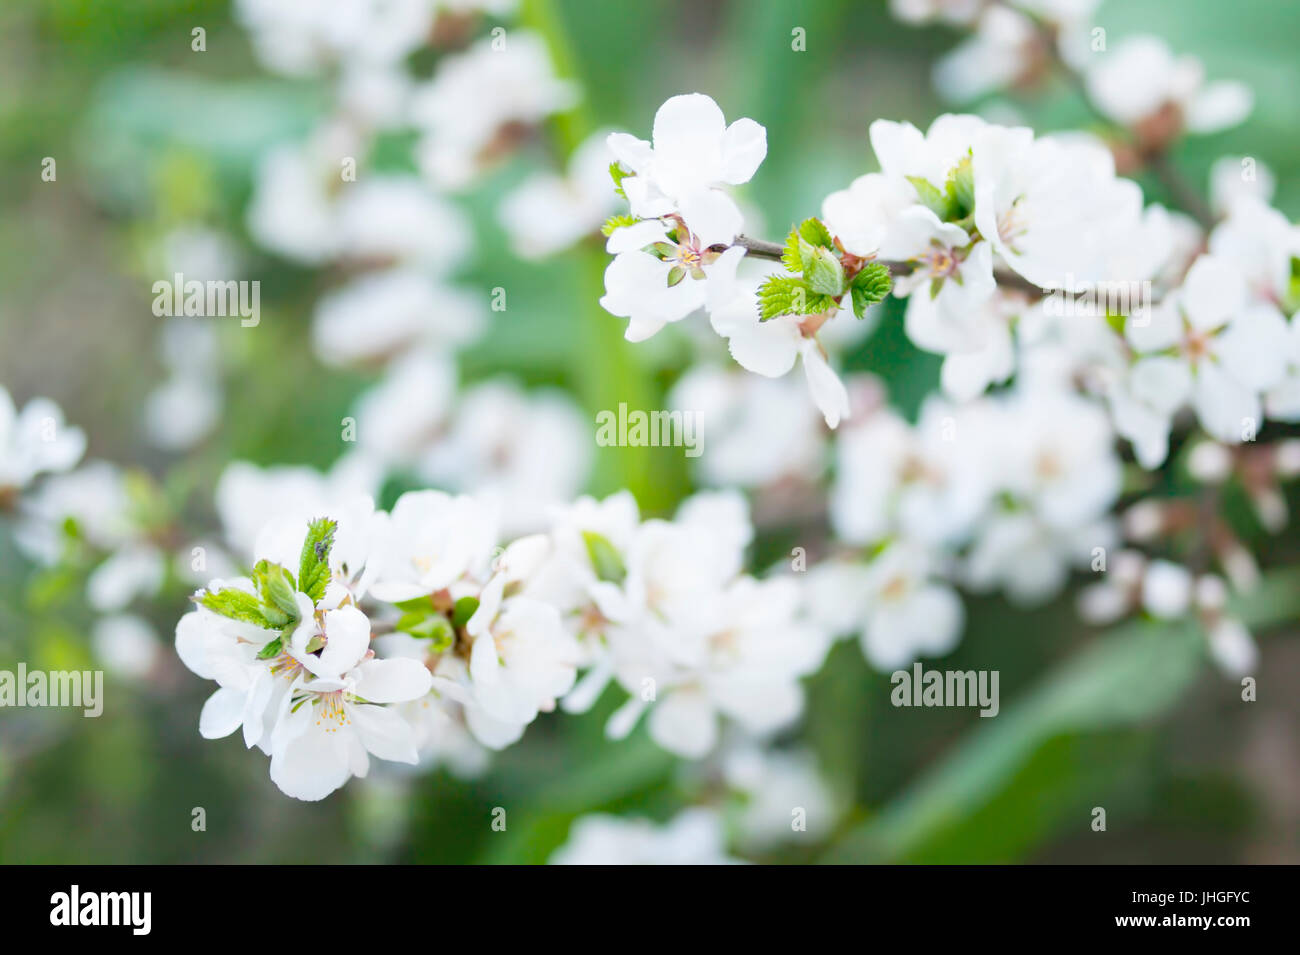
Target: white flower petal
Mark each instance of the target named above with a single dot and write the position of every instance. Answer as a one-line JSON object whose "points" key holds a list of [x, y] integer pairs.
{"points": [[684, 724], [1227, 409], [1219, 106], [392, 681], [221, 714], [828, 392], [347, 638], [744, 147], [311, 765], [636, 236], [383, 732], [711, 215]]}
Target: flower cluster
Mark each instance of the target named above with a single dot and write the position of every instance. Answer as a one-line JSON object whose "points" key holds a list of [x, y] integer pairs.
{"points": [[380, 634], [1001, 242], [677, 252], [1087, 338], [950, 210], [1006, 492]]}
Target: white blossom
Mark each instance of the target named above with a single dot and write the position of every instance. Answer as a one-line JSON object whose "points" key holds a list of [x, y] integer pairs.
{"points": [[547, 213], [694, 153], [1225, 353], [657, 278], [527, 452], [476, 101], [331, 722], [759, 430], [1140, 76], [771, 348], [299, 37], [1237, 177], [380, 314], [430, 542], [34, 441]]}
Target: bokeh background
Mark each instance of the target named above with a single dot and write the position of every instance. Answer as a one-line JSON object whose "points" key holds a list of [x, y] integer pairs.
{"points": [[148, 134]]}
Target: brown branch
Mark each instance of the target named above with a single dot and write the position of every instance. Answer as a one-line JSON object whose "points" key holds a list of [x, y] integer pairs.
{"points": [[760, 249]]}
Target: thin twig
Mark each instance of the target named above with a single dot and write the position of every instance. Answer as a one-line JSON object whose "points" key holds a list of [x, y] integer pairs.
{"points": [[760, 249]]}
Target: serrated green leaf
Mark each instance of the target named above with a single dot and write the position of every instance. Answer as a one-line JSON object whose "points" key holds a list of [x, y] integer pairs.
{"points": [[778, 294], [870, 286], [605, 558], [790, 295], [814, 232], [791, 257], [314, 564], [614, 223], [237, 605], [824, 273]]}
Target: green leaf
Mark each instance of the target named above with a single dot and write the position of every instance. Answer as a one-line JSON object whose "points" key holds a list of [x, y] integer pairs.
{"points": [[1134, 674], [614, 223], [618, 174], [1118, 681], [415, 604], [272, 649], [960, 188], [940, 203], [464, 609], [237, 605], [789, 295], [791, 258], [314, 564], [279, 593], [605, 558], [824, 273], [870, 286], [434, 627], [780, 295], [803, 242], [629, 772], [814, 232], [1293, 286]]}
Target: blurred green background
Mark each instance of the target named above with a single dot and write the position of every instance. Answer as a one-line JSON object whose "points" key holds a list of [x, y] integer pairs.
{"points": [[148, 134]]}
